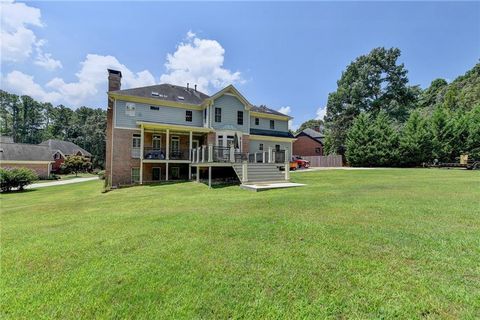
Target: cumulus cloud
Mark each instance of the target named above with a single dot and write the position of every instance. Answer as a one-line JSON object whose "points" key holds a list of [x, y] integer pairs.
{"points": [[285, 110], [18, 38], [91, 82], [199, 61], [22, 83], [321, 112]]}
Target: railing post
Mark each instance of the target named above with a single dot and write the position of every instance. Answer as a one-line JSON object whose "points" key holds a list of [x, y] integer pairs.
{"points": [[244, 171], [264, 156], [203, 153], [232, 154], [167, 151], [270, 155], [198, 154], [255, 157], [210, 152]]}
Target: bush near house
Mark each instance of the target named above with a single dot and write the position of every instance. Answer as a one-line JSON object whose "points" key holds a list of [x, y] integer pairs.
{"points": [[76, 164], [16, 178]]}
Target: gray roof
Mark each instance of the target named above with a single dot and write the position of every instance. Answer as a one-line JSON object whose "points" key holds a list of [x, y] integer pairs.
{"points": [[271, 133], [167, 92], [264, 109], [172, 92], [311, 133], [24, 152], [65, 147]]}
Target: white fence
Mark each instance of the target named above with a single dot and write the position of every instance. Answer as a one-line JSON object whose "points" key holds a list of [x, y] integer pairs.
{"points": [[324, 161]]}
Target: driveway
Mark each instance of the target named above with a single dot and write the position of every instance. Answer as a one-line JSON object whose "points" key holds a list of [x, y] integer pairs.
{"points": [[59, 183]]}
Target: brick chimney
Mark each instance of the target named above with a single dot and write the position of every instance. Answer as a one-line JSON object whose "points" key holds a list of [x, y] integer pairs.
{"points": [[114, 80], [114, 83]]}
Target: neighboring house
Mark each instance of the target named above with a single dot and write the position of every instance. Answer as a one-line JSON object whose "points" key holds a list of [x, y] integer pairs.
{"points": [[62, 149], [309, 142], [166, 132], [22, 155]]}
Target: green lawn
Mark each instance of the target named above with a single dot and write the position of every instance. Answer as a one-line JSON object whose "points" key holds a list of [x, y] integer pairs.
{"points": [[351, 244]]}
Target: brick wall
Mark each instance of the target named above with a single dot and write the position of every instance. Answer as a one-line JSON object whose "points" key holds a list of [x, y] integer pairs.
{"points": [[306, 146], [245, 143], [40, 168], [122, 157]]}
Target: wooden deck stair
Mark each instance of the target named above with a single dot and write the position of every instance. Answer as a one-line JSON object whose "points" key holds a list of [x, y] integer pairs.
{"points": [[260, 172]]}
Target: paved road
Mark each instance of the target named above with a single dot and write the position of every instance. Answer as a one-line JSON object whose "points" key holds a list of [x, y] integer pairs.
{"points": [[59, 183]]}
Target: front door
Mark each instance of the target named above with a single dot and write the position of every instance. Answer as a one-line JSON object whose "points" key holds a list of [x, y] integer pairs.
{"points": [[156, 174]]}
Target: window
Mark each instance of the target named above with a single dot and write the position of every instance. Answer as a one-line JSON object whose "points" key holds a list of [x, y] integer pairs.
{"points": [[156, 142], [175, 145], [317, 150], [188, 115], [218, 115], [260, 147], [156, 173], [220, 141], [154, 108], [136, 141], [240, 117], [272, 124], [135, 175], [257, 121], [130, 109], [277, 147], [175, 173]]}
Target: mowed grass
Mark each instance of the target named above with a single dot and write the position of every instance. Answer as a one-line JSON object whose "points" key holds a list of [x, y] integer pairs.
{"points": [[351, 244]]}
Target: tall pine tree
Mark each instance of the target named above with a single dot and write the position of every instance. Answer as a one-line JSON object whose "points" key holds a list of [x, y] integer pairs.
{"points": [[415, 141]]}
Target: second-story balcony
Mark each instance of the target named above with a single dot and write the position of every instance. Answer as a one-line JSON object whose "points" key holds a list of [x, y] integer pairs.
{"points": [[218, 154], [161, 154]]}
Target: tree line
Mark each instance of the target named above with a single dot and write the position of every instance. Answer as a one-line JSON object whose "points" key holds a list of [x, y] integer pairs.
{"points": [[376, 118], [29, 121]]}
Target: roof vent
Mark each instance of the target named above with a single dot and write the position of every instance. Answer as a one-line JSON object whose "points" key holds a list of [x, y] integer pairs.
{"points": [[155, 94], [181, 98]]}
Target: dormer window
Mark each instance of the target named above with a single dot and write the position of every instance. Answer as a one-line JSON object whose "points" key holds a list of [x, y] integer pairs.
{"points": [[218, 115], [240, 118]]}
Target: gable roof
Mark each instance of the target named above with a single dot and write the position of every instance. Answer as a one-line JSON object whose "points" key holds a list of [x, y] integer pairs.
{"points": [[166, 92], [65, 147], [24, 152], [315, 135], [231, 89]]}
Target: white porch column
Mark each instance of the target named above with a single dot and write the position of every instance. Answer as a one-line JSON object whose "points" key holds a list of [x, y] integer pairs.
{"points": [[209, 176], [142, 138], [244, 171], [210, 152], [190, 147], [264, 156], [270, 155], [287, 165], [167, 152], [232, 153], [189, 172], [198, 174], [203, 153], [166, 171], [255, 157]]}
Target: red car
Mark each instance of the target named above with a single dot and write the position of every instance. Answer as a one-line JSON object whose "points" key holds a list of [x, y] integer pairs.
{"points": [[300, 162]]}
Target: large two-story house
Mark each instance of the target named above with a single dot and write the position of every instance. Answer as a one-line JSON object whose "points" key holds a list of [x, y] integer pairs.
{"points": [[168, 132]]}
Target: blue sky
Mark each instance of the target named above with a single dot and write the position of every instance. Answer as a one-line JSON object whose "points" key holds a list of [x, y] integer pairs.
{"points": [[285, 55]]}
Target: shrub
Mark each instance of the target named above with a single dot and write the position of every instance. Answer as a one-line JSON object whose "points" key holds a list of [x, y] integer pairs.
{"points": [[16, 178]]}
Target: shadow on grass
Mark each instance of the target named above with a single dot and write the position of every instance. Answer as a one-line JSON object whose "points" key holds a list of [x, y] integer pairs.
{"points": [[19, 191]]}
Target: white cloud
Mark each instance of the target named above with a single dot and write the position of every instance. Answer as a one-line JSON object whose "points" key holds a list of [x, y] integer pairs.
{"points": [[321, 112], [18, 39], [199, 61], [22, 83], [90, 86], [287, 110]]}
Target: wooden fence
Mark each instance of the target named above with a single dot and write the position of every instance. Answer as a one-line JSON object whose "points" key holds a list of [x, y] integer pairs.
{"points": [[324, 161]]}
